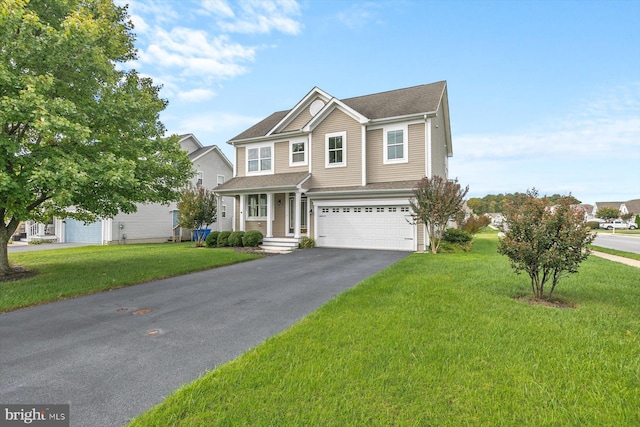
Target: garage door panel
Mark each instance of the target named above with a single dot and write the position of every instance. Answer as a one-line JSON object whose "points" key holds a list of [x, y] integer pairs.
{"points": [[366, 227], [77, 232]]}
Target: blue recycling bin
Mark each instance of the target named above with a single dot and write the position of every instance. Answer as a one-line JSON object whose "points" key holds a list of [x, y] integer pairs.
{"points": [[200, 234]]}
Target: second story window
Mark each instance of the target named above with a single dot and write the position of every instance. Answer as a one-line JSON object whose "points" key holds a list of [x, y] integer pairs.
{"points": [[395, 145], [298, 153], [199, 176], [220, 179], [336, 149], [259, 159]]}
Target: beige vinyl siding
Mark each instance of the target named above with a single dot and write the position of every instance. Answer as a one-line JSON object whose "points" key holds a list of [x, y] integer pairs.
{"points": [[337, 121], [282, 159], [377, 171], [299, 122], [438, 145], [280, 218], [261, 226], [241, 157], [420, 231]]}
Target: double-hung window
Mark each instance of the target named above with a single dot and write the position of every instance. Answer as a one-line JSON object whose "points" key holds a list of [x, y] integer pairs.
{"points": [[259, 159], [336, 149], [257, 204], [395, 145], [297, 153]]}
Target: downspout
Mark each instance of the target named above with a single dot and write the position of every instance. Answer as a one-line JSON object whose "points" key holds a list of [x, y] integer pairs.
{"points": [[364, 155], [428, 155]]}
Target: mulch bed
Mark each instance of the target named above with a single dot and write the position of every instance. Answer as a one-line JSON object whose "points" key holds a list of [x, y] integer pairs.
{"points": [[545, 302], [18, 273]]}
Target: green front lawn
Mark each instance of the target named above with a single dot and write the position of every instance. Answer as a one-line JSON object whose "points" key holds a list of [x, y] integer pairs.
{"points": [[438, 340], [70, 272]]}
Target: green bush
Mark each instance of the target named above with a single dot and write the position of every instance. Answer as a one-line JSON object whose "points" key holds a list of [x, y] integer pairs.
{"points": [[212, 239], [252, 238], [453, 248], [235, 238], [455, 235], [307, 243], [223, 239], [594, 225]]}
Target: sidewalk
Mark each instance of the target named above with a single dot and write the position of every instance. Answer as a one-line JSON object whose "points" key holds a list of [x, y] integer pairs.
{"points": [[616, 258], [25, 247]]}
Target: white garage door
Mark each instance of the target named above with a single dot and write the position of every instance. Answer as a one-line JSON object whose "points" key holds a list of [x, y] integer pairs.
{"points": [[366, 227], [78, 232]]}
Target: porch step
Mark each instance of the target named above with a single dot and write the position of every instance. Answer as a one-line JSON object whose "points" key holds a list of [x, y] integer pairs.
{"points": [[279, 244]]}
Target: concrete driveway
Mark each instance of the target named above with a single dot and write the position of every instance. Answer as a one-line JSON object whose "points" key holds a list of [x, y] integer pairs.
{"points": [[113, 355]]}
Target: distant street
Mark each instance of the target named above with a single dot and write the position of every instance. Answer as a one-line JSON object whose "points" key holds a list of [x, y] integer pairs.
{"points": [[621, 242]]}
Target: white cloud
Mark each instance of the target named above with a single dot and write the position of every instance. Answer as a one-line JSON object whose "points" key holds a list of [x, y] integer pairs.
{"points": [[360, 15], [196, 95], [216, 122], [257, 16], [217, 7], [588, 152]]}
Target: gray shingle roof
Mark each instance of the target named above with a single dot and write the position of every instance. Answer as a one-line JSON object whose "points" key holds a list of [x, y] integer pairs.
{"points": [[378, 186], [263, 182], [395, 103]]}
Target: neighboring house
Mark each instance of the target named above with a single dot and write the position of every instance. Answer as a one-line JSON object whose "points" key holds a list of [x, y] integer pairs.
{"points": [[587, 210], [497, 218], [152, 222], [630, 206], [341, 171]]}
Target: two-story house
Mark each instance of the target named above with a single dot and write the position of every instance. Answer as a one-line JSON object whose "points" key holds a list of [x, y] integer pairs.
{"points": [[152, 222], [341, 171]]}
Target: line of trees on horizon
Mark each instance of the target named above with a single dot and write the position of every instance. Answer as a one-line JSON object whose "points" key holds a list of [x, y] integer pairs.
{"points": [[497, 203]]}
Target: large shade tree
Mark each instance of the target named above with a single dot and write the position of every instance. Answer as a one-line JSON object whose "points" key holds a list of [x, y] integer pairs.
{"points": [[75, 129]]}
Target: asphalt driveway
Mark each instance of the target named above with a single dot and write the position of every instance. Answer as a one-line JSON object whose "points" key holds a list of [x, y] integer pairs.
{"points": [[113, 355]]}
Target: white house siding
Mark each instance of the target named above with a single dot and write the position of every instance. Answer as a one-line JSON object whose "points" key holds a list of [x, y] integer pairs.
{"points": [[337, 121], [377, 171], [211, 165], [151, 223], [189, 145]]}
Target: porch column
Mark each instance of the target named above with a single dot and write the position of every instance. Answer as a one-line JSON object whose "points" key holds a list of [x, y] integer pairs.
{"points": [[296, 227], [242, 212], [269, 215]]}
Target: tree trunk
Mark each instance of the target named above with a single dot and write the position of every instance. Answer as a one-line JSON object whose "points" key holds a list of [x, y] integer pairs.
{"points": [[5, 268], [6, 231]]}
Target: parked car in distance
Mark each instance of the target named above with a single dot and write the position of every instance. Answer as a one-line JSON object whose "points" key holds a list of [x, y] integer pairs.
{"points": [[618, 224]]}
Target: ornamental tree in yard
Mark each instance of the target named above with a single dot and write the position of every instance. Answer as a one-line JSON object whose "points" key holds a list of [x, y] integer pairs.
{"points": [[547, 243], [76, 130], [197, 208], [608, 214], [436, 200]]}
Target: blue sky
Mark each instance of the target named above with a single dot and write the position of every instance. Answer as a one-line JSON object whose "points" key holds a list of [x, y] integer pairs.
{"points": [[542, 94]]}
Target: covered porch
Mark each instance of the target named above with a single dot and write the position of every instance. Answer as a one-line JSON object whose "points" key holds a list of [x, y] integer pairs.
{"points": [[275, 205]]}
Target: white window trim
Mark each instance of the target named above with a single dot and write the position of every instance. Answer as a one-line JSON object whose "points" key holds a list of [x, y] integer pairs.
{"points": [[259, 172], [305, 162], [405, 144], [199, 177], [248, 208], [218, 179], [344, 149], [223, 213]]}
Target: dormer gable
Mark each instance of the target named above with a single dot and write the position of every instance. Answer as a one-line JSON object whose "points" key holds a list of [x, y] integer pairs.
{"points": [[328, 108], [305, 110]]}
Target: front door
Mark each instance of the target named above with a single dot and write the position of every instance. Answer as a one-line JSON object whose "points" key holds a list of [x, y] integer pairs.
{"points": [[292, 214]]}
